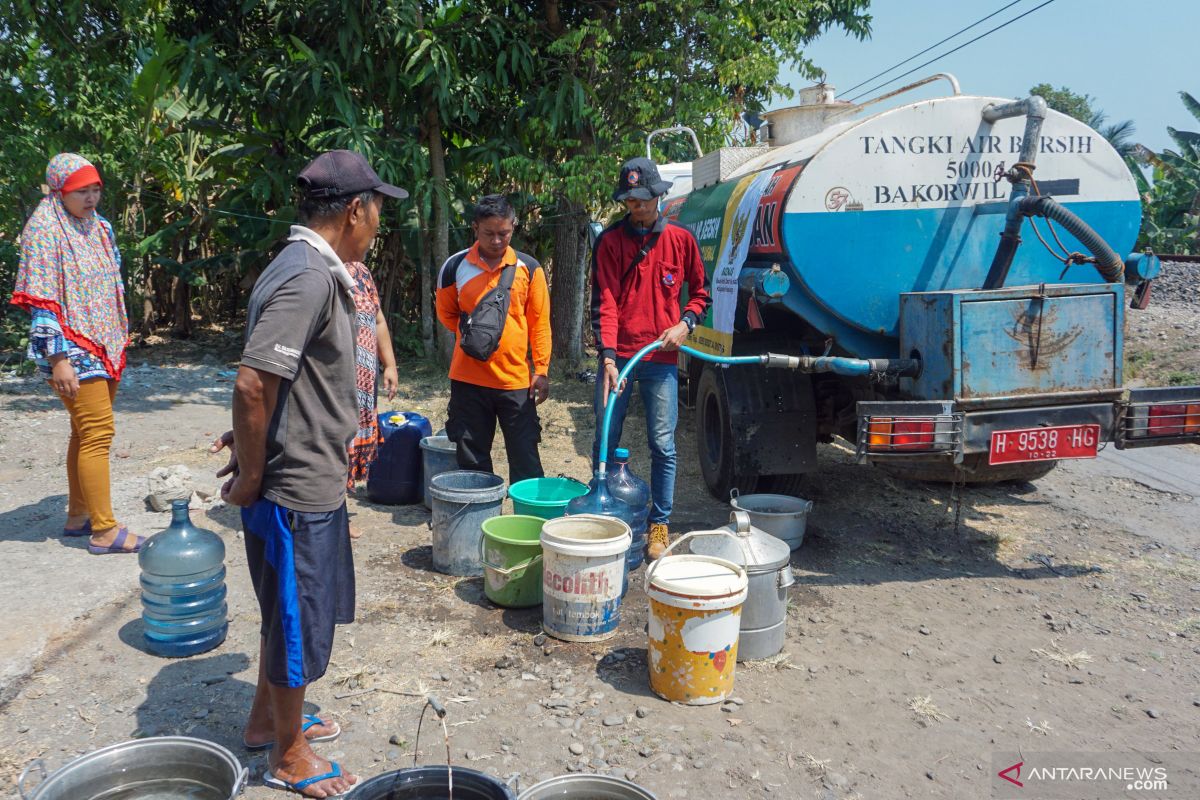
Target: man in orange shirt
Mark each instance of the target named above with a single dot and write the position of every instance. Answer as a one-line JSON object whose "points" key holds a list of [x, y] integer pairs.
{"points": [[503, 387]]}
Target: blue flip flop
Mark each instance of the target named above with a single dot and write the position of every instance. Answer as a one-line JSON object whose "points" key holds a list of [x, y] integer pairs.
{"points": [[299, 786], [86, 530], [118, 545], [309, 721]]}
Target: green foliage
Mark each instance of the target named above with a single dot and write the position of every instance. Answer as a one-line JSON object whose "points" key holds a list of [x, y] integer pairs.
{"points": [[1171, 223], [1065, 101], [200, 114], [1183, 378], [1081, 107]]}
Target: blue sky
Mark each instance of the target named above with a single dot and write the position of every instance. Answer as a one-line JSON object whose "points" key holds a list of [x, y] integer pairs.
{"points": [[1131, 56]]}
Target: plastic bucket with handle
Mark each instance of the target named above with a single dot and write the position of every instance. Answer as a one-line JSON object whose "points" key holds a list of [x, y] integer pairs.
{"points": [[438, 455], [583, 575], [695, 613], [511, 553], [545, 497], [462, 501]]}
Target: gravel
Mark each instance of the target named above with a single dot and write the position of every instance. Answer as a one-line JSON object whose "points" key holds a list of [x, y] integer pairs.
{"points": [[1179, 282]]}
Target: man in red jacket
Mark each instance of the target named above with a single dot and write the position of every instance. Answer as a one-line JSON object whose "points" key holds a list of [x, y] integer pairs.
{"points": [[639, 266]]}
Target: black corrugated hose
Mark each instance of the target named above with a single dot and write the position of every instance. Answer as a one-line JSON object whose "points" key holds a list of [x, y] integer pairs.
{"points": [[1108, 263]]}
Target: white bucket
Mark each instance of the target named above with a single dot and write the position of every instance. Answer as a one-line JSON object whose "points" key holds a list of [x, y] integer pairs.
{"points": [[695, 615], [583, 576]]}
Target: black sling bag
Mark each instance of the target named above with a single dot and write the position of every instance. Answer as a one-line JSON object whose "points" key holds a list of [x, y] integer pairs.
{"points": [[482, 328]]}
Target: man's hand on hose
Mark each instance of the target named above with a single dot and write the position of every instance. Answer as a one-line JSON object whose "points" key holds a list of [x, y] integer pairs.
{"points": [[611, 373], [674, 336]]}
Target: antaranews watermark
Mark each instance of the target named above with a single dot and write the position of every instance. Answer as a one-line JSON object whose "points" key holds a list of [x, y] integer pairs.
{"points": [[1069, 775]]}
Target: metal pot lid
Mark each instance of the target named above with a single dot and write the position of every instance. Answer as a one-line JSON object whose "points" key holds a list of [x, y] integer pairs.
{"points": [[759, 551]]}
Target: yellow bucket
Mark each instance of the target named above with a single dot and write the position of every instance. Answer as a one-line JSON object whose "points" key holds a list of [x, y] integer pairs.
{"points": [[695, 613]]}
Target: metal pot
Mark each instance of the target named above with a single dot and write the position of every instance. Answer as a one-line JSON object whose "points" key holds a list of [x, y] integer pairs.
{"points": [[766, 559], [158, 766], [585, 787], [431, 781], [780, 515]]}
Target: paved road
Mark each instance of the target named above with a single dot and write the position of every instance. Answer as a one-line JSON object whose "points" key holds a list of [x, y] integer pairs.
{"points": [[1168, 507]]}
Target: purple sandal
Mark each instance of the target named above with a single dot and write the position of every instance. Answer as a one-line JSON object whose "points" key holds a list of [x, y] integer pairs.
{"points": [[118, 545], [86, 530]]}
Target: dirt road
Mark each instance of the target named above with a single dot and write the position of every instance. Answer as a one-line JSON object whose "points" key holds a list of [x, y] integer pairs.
{"points": [[928, 632]]}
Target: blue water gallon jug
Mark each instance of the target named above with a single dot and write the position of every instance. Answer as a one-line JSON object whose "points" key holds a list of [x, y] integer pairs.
{"points": [[183, 588], [395, 476], [624, 485], [599, 500]]}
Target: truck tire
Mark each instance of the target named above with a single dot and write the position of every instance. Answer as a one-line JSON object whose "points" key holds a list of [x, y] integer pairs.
{"points": [[714, 439], [791, 484], [975, 471]]}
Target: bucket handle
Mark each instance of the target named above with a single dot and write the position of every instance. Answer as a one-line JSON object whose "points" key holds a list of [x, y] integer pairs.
{"points": [[41, 767], [681, 540], [240, 785], [518, 568], [786, 576], [453, 516], [506, 571]]}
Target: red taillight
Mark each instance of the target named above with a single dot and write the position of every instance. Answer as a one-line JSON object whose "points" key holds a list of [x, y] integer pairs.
{"points": [[1173, 420], [889, 434], [912, 434]]}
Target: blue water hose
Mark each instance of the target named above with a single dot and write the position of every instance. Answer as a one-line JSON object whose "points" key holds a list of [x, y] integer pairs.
{"points": [[628, 368], [839, 365]]}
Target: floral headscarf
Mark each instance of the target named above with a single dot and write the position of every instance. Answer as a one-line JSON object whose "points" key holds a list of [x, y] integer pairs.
{"points": [[71, 266]]}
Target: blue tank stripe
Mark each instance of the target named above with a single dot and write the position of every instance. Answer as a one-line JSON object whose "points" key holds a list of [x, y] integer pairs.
{"points": [[851, 266]]}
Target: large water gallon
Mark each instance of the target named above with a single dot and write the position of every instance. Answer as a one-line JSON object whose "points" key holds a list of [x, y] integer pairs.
{"points": [[183, 588], [624, 485], [395, 477], [600, 501]]}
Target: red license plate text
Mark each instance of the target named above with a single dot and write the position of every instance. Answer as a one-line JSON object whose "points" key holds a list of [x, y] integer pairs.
{"points": [[1044, 444]]}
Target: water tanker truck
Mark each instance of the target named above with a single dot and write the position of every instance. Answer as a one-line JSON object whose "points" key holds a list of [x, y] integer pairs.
{"points": [[951, 275]]}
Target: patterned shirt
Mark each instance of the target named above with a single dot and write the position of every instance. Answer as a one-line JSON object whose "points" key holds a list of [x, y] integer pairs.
{"points": [[46, 339]]}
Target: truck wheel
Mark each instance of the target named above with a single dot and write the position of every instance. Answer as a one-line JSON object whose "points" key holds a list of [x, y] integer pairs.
{"points": [[791, 484], [976, 470], [714, 439]]}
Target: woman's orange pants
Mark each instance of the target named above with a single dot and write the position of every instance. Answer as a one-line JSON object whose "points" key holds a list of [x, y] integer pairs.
{"points": [[92, 430]]}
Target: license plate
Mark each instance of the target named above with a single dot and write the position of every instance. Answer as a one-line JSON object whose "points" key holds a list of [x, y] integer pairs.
{"points": [[1044, 444]]}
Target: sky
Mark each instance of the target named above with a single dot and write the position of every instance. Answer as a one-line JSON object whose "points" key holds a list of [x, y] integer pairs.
{"points": [[1132, 56]]}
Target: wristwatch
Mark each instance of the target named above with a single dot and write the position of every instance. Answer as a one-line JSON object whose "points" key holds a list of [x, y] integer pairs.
{"points": [[690, 322]]}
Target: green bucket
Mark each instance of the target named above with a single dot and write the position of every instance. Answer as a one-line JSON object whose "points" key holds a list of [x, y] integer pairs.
{"points": [[511, 553], [545, 497]]}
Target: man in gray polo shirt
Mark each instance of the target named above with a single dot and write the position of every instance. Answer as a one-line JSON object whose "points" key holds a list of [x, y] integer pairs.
{"points": [[294, 415]]}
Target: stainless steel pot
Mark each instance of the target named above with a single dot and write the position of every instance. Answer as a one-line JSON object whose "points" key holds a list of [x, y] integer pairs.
{"points": [[781, 515], [160, 767], [766, 559], [585, 787]]}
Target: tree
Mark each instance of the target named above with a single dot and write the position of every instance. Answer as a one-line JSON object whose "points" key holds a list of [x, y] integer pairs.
{"points": [[201, 115], [1172, 220], [610, 72], [1082, 108]]}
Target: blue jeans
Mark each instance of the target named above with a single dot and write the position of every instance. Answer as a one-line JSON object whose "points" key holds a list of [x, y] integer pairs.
{"points": [[658, 384]]}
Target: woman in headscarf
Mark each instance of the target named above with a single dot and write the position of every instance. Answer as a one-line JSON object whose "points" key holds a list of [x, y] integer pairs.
{"points": [[70, 283], [373, 346]]}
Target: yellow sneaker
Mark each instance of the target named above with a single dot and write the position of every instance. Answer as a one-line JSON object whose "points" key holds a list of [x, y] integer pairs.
{"points": [[659, 540]]}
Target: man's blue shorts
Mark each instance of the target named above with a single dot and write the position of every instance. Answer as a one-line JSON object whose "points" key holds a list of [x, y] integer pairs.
{"points": [[303, 573]]}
